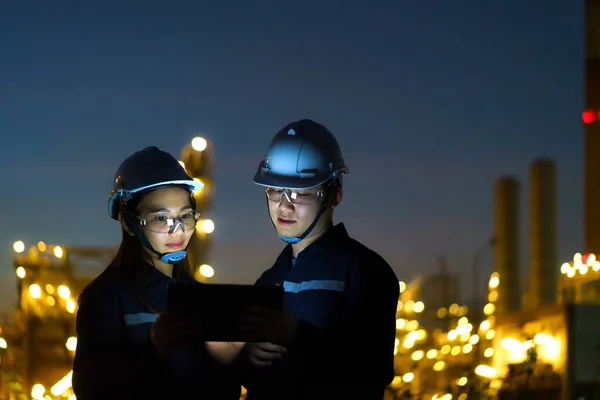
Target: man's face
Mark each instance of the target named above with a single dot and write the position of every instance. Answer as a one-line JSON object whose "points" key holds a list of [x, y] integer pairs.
{"points": [[293, 210]]}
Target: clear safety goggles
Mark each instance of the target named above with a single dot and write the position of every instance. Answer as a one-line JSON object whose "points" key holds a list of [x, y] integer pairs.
{"points": [[168, 222], [294, 196]]}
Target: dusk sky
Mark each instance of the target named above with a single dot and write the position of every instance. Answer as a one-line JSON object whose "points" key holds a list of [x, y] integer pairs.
{"points": [[431, 101]]}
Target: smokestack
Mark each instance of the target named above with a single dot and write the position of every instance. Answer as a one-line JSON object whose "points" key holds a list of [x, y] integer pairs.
{"points": [[543, 243], [507, 221], [591, 117]]}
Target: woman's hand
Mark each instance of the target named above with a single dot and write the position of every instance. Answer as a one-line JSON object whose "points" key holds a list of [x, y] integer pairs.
{"points": [[174, 329]]}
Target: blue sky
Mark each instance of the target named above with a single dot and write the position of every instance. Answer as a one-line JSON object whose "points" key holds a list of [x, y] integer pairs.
{"points": [[431, 101]]}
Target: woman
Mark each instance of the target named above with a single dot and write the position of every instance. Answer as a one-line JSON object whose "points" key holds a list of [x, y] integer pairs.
{"points": [[124, 349]]}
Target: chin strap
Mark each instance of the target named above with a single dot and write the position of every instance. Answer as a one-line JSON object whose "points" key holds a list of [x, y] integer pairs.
{"points": [[297, 239]]}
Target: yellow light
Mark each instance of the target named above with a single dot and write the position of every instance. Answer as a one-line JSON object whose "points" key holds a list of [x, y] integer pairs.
{"points": [[61, 386], [494, 280], [489, 309], [455, 350], [486, 371], [35, 291], [488, 352], [417, 355], [564, 269], [64, 292], [474, 339], [438, 366], [58, 251], [199, 143], [485, 325], [442, 312], [408, 377], [37, 391], [70, 306], [21, 273], [431, 354], [590, 260], [71, 343], [41, 246], [412, 325], [489, 335], [49, 289], [462, 381], [400, 323], [402, 286], [50, 300], [418, 307], [206, 271], [208, 226], [19, 246], [3, 343]]}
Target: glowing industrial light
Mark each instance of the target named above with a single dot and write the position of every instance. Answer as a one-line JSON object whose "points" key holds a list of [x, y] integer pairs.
{"points": [[206, 271], [21, 273], [408, 377], [207, 226], [588, 117], [37, 391], [50, 289], [3, 343], [402, 286], [418, 307], [19, 246], [35, 291], [70, 306], [486, 371], [199, 143], [71, 343], [58, 252], [494, 280], [64, 292], [41, 246], [61, 386]]}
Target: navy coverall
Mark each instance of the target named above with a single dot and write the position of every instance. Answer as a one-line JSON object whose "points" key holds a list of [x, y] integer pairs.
{"points": [[115, 358], [345, 297]]}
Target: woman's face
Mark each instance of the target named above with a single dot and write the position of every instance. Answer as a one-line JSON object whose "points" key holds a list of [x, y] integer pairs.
{"points": [[170, 219]]}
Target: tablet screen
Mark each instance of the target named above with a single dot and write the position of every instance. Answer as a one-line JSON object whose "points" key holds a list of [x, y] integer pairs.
{"points": [[221, 306]]}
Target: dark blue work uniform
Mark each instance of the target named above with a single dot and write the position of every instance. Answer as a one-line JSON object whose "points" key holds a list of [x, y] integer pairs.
{"points": [[345, 296], [115, 358]]}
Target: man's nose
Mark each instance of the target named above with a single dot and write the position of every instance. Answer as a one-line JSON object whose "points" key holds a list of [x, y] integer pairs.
{"points": [[285, 202]]}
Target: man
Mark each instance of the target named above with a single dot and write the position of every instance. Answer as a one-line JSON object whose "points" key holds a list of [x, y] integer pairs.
{"points": [[335, 337]]}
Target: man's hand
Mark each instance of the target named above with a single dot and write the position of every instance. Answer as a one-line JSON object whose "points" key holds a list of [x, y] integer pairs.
{"points": [[171, 330], [264, 324], [263, 354]]}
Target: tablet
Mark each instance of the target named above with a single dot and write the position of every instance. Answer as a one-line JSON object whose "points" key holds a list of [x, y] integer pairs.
{"points": [[221, 306]]}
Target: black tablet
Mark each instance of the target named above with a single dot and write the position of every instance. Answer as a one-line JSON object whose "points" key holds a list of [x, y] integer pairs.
{"points": [[221, 306]]}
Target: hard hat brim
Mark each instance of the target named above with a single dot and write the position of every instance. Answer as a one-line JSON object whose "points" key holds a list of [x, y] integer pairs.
{"points": [[289, 182], [192, 184]]}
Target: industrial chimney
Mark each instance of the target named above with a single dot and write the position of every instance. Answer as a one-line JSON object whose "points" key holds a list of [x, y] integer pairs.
{"points": [[591, 121], [543, 242], [507, 226]]}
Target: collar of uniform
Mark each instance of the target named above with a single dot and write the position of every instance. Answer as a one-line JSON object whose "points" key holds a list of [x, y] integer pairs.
{"points": [[333, 235], [159, 278]]}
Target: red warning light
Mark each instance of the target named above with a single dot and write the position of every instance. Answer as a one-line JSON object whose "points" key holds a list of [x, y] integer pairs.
{"points": [[588, 117]]}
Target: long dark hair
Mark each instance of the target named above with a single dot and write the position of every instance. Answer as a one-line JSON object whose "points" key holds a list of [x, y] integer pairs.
{"points": [[135, 263]]}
